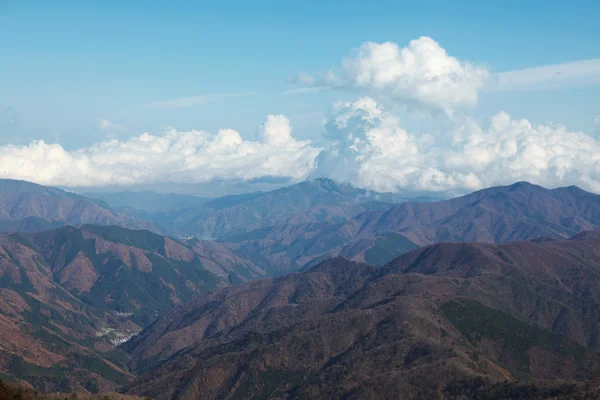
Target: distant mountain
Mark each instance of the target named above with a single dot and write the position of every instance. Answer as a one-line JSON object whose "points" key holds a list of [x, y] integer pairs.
{"points": [[28, 207], [149, 202], [444, 321], [377, 235], [218, 218], [298, 226], [496, 215]]}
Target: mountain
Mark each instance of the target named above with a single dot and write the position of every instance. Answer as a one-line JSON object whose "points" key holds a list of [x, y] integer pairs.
{"points": [[10, 391], [377, 235], [496, 215], [69, 296], [50, 338], [28, 207], [218, 218], [134, 272], [443, 321], [149, 202]]}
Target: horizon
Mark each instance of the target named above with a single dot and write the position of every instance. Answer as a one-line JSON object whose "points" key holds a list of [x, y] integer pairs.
{"points": [[409, 196]]}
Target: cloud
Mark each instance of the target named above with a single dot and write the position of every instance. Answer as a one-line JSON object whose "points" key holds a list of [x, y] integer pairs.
{"points": [[175, 156], [302, 90], [103, 125], [277, 130], [370, 148], [303, 79], [186, 102], [423, 75], [576, 73], [364, 144], [420, 75]]}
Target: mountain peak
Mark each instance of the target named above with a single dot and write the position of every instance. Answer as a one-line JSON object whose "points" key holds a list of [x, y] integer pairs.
{"points": [[524, 185]]}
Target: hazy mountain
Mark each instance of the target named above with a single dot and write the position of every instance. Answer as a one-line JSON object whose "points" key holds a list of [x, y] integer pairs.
{"points": [[149, 202], [28, 207], [494, 215], [497, 215], [443, 321], [316, 200]]}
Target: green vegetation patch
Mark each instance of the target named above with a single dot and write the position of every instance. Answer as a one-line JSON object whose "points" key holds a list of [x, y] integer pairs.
{"points": [[476, 321], [262, 385], [137, 238], [388, 247]]}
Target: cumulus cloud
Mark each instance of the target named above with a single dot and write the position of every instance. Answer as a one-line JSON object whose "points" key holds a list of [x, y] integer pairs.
{"points": [[421, 75], [364, 144], [277, 130], [370, 148], [174, 156]]}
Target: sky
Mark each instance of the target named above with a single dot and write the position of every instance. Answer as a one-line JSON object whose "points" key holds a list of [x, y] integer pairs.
{"points": [[391, 95]]}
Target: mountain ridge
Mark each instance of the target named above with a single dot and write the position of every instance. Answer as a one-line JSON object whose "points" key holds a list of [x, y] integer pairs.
{"points": [[411, 329]]}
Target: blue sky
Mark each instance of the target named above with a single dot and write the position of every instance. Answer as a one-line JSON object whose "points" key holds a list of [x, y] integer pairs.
{"points": [[66, 65]]}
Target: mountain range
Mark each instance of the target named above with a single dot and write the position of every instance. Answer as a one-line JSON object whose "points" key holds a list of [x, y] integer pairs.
{"points": [[413, 328], [316, 290], [298, 226], [69, 296], [377, 234]]}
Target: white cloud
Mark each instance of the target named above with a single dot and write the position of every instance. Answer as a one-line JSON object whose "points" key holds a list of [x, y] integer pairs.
{"points": [[192, 101], [371, 149], [303, 79], [420, 75], [277, 130], [575, 73], [366, 145], [194, 156], [104, 125], [423, 75]]}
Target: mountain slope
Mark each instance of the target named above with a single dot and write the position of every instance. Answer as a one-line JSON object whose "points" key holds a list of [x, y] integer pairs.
{"points": [[135, 272], [412, 329], [496, 215], [316, 200], [49, 337], [28, 207], [70, 295]]}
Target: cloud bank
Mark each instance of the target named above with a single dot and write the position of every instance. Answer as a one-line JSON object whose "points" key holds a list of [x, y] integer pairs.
{"points": [[364, 144], [174, 156], [371, 149]]}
